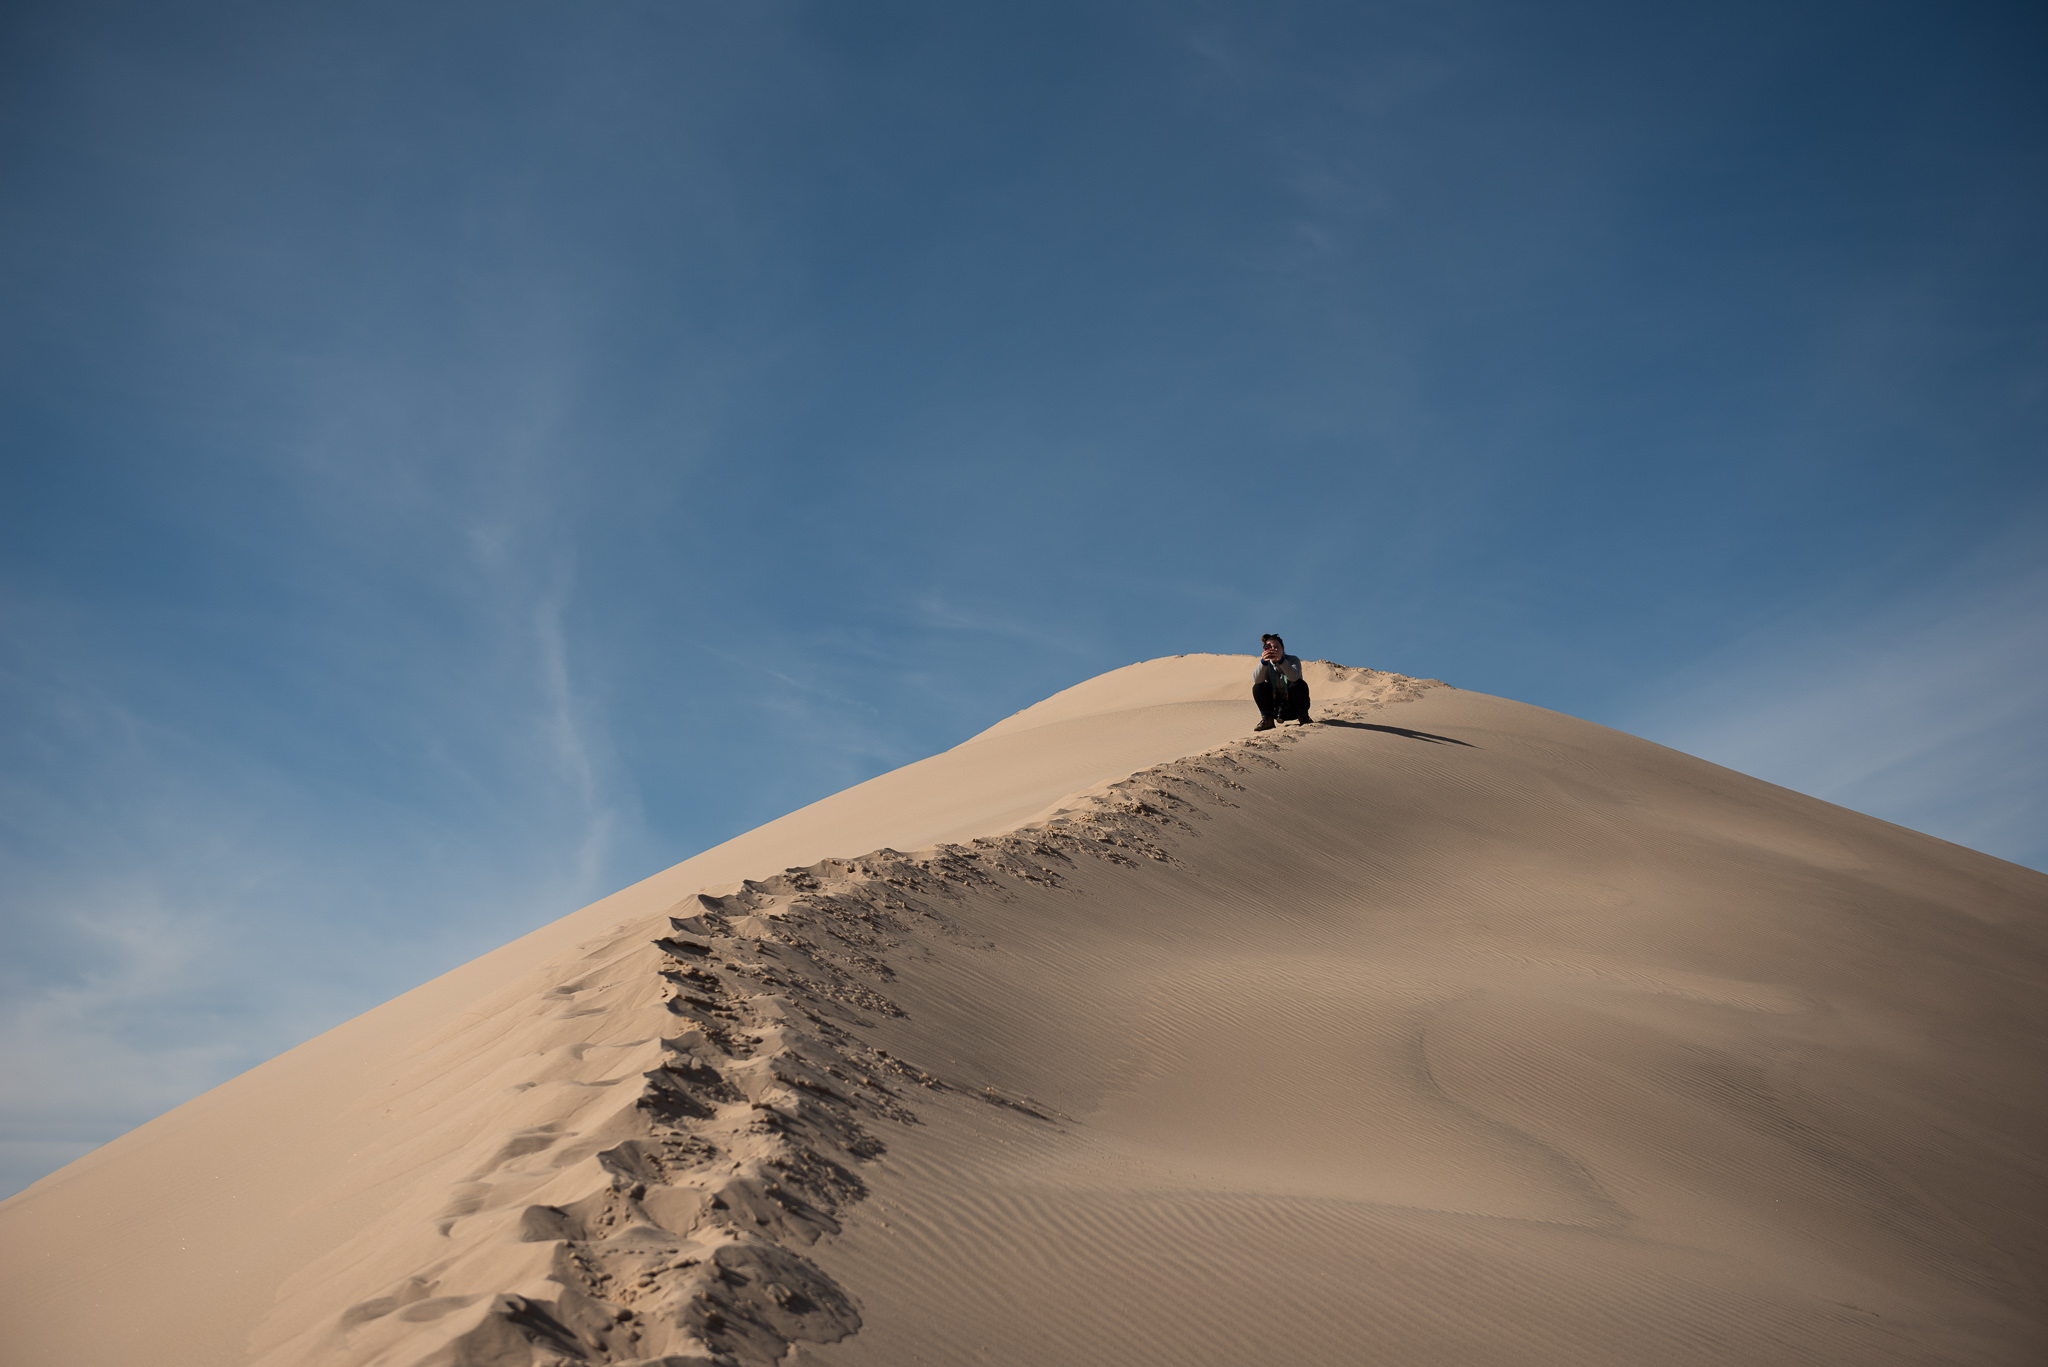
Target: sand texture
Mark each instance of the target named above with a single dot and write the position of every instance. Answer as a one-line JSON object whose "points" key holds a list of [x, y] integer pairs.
{"points": [[1450, 1031]]}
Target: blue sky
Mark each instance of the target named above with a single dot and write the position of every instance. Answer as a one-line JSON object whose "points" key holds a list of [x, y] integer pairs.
{"points": [[462, 458]]}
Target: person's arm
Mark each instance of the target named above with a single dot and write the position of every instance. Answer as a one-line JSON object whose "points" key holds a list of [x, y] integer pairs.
{"points": [[1292, 664]]}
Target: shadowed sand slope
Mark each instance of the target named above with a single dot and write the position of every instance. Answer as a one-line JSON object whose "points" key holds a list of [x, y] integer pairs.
{"points": [[1454, 1031]]}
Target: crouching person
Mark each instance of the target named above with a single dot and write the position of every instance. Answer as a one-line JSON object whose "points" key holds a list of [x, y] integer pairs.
{"points": [[1277, 686]]}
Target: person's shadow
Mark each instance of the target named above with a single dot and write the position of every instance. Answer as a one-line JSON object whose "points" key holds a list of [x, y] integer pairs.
{"points": [[1398, 731]]}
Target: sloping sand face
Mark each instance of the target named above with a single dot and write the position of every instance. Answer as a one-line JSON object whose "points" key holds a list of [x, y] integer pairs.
{"points": [[1451, 1031]]}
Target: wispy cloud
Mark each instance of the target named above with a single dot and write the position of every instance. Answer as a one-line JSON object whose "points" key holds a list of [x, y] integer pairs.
{"points": [[166, 890], [90, 1054], [939, 613], [578, 740], [1929, 712]]}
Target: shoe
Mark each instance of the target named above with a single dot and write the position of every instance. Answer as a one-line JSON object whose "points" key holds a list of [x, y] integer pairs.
{"points": [[1308, 721], [1265, 724]]}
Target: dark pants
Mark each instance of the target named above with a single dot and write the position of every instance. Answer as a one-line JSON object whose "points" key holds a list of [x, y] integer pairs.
{"points": [[1290, 706]]}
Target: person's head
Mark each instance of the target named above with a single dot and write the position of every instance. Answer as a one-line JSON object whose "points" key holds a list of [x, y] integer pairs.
{"points": [[1272, 643]]}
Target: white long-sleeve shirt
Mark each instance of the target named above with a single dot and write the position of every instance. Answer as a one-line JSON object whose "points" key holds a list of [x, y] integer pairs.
{"points": [[1286, 668]]}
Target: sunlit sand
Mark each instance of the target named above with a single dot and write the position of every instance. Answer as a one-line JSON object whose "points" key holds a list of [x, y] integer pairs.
{"points": [[1450, 1030]]}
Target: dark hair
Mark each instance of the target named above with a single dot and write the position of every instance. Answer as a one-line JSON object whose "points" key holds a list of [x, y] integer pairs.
{"points": [[1274, 637]]}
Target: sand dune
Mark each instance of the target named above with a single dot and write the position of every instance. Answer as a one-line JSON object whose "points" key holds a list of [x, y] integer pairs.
{"points": [[1452, 1031]]}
